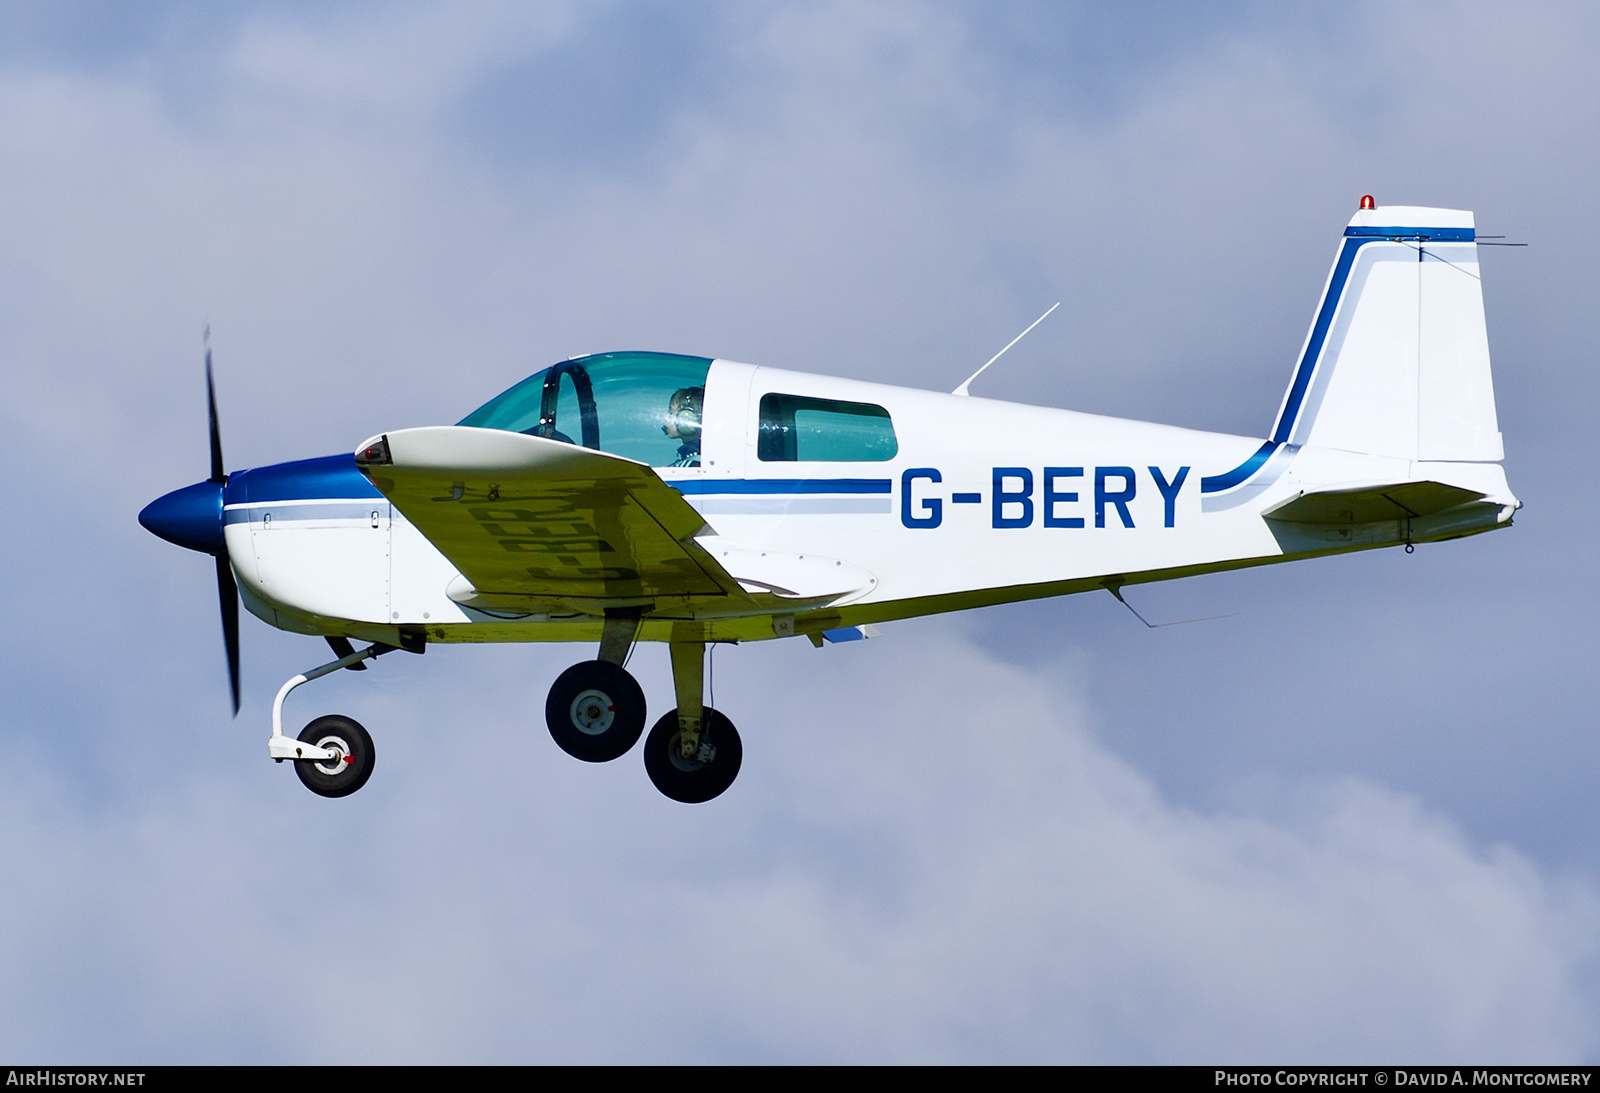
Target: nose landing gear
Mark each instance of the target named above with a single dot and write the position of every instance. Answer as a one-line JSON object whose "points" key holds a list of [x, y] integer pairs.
{"points": [[349, 764], [333, 755]]}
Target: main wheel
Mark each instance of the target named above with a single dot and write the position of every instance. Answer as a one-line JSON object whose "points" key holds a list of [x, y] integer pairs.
{"points": [[595, 711], [351, 765], [703, 777]]}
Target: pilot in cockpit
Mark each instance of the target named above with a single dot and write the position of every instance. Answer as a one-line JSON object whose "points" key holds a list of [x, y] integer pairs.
{"points": [[683, 424]]}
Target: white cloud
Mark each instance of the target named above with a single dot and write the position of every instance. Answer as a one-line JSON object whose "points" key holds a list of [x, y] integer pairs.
{"points": [[929, 857]]}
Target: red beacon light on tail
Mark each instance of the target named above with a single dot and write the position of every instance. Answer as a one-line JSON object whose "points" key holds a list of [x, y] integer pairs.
{"points": [[1368, 203]]}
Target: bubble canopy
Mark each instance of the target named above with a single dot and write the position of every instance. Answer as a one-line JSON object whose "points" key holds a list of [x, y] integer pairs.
{"points": [[644, 406]]}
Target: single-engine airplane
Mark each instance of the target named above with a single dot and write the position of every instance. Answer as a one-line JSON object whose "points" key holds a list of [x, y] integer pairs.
{"points": [[626, 497]]}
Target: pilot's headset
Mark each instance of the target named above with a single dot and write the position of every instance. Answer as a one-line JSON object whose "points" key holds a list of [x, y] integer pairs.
{"points": [[683, 414]]}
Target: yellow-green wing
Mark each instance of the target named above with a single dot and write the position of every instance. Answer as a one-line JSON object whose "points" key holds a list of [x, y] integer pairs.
{"points": [[526, 516]]}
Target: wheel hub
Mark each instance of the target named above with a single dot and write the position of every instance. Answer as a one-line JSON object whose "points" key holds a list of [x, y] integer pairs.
{"points": [[341, 755], [593, 712], [697, 758]]}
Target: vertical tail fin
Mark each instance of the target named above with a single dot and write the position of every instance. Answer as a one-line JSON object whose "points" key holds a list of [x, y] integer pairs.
{"points": [[1397, 359]]}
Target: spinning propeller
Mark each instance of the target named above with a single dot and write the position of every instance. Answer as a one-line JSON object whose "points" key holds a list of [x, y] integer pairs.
{"points": [[227, 589], [192, 517]]}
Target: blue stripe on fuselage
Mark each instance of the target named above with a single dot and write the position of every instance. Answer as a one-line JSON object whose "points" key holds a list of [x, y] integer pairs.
{"points": [[1229, 479], [783, 485]]}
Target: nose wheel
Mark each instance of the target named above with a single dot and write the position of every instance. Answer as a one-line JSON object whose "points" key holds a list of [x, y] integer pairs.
{"points": [[348, 766], [595, 711]]}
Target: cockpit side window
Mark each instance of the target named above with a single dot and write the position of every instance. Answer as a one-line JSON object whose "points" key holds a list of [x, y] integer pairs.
{"points": [[645, 406], [799, 429]]}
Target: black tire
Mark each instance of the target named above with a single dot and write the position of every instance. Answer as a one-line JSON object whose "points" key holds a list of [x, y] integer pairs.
{"points": [[693, 782], [337, 777], [595, 711]]}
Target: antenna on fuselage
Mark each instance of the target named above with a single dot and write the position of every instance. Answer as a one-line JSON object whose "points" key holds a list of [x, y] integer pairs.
{"points": [[1115, 588], [962, 390]]}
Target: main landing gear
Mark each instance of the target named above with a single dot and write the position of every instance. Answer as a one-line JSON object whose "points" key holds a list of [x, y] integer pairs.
{"points": [[596, 710], [693, 765]]}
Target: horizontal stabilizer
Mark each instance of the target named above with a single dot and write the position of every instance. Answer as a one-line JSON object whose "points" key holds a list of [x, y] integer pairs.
{"points": [[1369, 504]]}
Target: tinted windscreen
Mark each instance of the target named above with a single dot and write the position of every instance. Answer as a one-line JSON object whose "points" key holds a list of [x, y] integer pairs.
{"points": [[646, 406]]}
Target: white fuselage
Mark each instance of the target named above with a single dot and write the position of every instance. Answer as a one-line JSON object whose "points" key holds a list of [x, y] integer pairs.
{"points": [[983, 502]]}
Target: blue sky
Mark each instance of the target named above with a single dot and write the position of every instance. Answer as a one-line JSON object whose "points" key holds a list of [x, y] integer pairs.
{"points": [[1354, 822]]}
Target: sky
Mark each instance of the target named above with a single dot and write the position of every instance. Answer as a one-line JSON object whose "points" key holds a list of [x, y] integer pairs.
{"points": [[1352, 822]]}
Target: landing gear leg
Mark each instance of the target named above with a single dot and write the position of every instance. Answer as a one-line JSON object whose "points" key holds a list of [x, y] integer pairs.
{"points": [[595, 710], [693, 753], [689, 687], [333, 755], [617, 636]]}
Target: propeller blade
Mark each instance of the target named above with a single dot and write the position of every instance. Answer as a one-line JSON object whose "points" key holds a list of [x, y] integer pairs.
{"points": [[217, 473], [228, 597], [227, 589]]}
